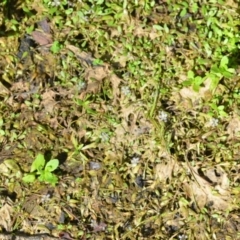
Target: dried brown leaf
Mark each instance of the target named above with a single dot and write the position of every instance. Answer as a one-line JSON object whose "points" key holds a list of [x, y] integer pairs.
{"points": [[187, 97], [48, 100], [204, 193], [217, 176], [97, 73], [164, 171], [115, 81], [38, 7], [41, 38], [94, 78], [5, 216], [233, 127], [85, 58], [45, 26], [98, 226]]}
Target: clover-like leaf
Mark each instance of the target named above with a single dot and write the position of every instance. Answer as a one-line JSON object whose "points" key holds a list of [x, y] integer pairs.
{"points": [[50, 178], [224, 62], [38, 163], [28, 178], [56, 47], [51, 165]]}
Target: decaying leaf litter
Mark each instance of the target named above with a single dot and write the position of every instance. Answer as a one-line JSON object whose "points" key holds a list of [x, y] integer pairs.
{"points": [[139, 103]]}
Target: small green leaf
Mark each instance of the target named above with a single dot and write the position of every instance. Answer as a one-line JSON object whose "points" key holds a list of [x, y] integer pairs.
{"points": [[69, 11], [38, 163], [97, 62], [194, 7], [56, 47], [223, 114], [28, 178], [214, 106], [183, 12], [197, 83], [196, 87], [50, 178], [157, 27], [198, 80], [216, 70], [2, 133], [190, 74], [41, 178], [224, 61], [187, 83], [214, 78], [51, 165], [99, 2], [214, 83], [221, 108], [227, 74]]}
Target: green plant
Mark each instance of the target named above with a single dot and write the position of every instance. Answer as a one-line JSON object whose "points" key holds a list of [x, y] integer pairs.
{"points": [[42, 170], [141, 101], [193, 80], [56, 47], [97, 62], [216, 73]]}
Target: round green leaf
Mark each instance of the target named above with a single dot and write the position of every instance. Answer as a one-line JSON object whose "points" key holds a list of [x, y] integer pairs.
{"points": [[51, 165], [38, 163], [28, 178], [50, 178]]}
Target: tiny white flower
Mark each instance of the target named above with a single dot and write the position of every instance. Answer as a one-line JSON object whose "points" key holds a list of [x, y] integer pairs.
{"points": [[81, 85], [163, 116], [125, 90], [213, 122], [95, 165], [45, 198], [182, 237], [56, 3], [104, 136], [135, 161]]}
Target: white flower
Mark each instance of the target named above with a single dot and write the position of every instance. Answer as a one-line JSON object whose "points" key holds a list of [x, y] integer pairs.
{"points": [[125, 90], [95, 165], [163, 116], [70, 3], [104, 136], [45, 197], [182, 237], [213, 122], [135, 161], [55, 3], [81, 85]]}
